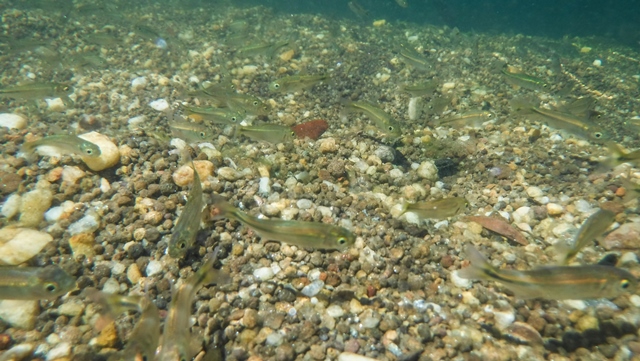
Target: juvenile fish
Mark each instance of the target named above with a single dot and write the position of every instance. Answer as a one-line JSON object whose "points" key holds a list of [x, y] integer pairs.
{"points": [[578, 126], [410, 56], [304, 234], [34, 91], [266, 49], [272, 133], [175, 341], [144, 338], [500, 226], [474, 118], [524, 80], [591, 229], [34, 283], [188, 225], [620, 155], [191, 132], [438, 209], [418, 90], [66, 143], [553, 282], [216, 115], [383, 121], [294, 83], [240, 103]]}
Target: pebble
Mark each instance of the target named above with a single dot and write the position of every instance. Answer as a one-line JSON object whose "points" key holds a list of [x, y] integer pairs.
{"points": [[587, 322], [87, 224], [327, 145], [554, 209], [264, 186], [63, 349], [133, 274], [34, 204], [523, 215], [138, 83], [534, 192], [263, 273], [385, 153], [71, 175], [304, 204], [18, 352], [335, 311], [82, 244], [108, 336], [109, 152], [11, 206], [111, 286], [12, 121], [274, 339], [524, 334], [18, 245], [159, 104], [624, 237], [459, 281], [153, 268], [355, 306], [55, 105], [583, 206], [312, 288], [19, 313], [428, 170], [349, 356], [228, 174], [71, 308]]}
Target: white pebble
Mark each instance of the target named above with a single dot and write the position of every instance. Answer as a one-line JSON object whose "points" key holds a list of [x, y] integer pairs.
{"points": [[335, 311], [554, 209], [12, 121], [597, 63], [135, 121], [109, 152], [112, 286], [312, 288], [18, 245], [53, 214], [159, 105], [263, 273], [288, 214], [503, 319], [304, 204], [117, 268], [138, 83], [349, 356], [523, 215], [71, 308], [635, 300], [153, 268], [534, 192], [86, 224], [415, 109], [55, 104], [628, 257], [314, 274], [274, 339], [71, 174], [396, 173], [19, 313], [577, 304], [63, 349], [448, 86], [428, 170], [459, 281], [11, 206], [264, 187], [18, 352], [583, 206]]}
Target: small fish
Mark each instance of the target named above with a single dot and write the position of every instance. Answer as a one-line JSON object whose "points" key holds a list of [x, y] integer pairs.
{"points": [[358, 9], [418, 90], [591, 229], [191, 132], [272, 133], [402, 3], [524, 80], [174, 344], [499, 226], [410, 56], [579, 126], [34, 283], [438, 209], [33, 91], [144, 338], [241, 103], [384, 122], [437, 105], [215, 115], [267, 49], [620, 155], [294, 83], [188, 225], [474, 118], [66, 143], [304, 234], [553, 282]]}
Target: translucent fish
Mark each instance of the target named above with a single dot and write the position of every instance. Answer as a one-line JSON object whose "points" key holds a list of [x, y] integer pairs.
{"points": [[34, 283], [438, 209], [524, 80], [272, 133], [553, 282], [175, 341], [591, 229], [294, 83], [216, 115], [188, 225], [33, 91], [144, 338], [474, 118], [66, 143], [500, 226], [383, 121], [411, 57], [191, 132], [620, 155], [267, 49], [304, 234], [420, 89]]}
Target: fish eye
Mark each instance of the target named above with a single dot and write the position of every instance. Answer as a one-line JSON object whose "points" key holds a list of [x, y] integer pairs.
{"points": [[182, 245], [65, 88], [89, 151], [624, 284], [390, 128], [342, 241], [234, 119], [276, 85], [51, 287], [255, 103], [598, 135], [203, 135]]}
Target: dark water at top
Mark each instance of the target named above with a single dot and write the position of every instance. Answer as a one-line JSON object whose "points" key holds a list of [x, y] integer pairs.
{"points": [[616, 20]]}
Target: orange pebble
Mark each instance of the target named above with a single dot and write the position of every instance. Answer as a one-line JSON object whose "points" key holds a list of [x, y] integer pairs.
{"points": [[620, 192]]}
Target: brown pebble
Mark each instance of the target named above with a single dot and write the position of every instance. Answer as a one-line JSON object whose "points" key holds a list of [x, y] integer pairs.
{"points": [[108, 336], [9, 182], [446, 261], [5, 341], [371, 291], [620, 192]]}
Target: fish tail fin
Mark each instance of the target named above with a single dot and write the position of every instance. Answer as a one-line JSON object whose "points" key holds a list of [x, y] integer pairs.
{"points": [[563, 253], [616, 152], [403, 207], [479, 267], [521, 105], [220, 208]]}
